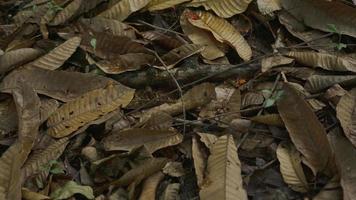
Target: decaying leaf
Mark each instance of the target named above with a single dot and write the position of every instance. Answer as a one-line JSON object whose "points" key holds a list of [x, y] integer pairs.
{"points": [[199, 161], [171, 192], [223, 180], [331, 191], [174, 169], [123, 9], [48, 106], [267, 7], [311, 140], [10, 165], [326, 61], [15, 58], [222, 30], [208, 139], [269, 119], [61, 85], [345, 154], [291, 167], [71, 188], [319, 14], [316, 82], [73, 9], [112, 26], [274, 61], [55, 58], [8, 116], [30, 195], [125, 63], [345, 112], [150, 186], [153, 140], [72, 115], [37, 161], [200, 36], [161, 39], [223, 8], [177, 55], [163, 4]]}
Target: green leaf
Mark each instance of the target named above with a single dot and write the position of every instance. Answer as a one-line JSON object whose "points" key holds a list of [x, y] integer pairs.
{"points": [[332, 28], [340, 46], [93, 43], [71, 188], [269, 102]]}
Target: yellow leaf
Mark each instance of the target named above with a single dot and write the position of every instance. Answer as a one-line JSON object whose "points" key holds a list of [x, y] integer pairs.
{"points": [[223, 179], [222, 30], [163, 4], [121, 10], [89, 107], [291, 167], [223, 8]]}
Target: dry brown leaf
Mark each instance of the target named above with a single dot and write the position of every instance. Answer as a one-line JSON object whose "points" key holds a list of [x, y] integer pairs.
{"points": [[109, 46], [223, 8], [130, 139], [155, 5], [222, 30], [316, 83], [121, 10], [48, 106], [274, 61], [291, 167], [125, 63], [331, 191], [252, 99], [305, 130], [314, 38], [150, 186], [61, 85], [171, 192], [111, 26], [269, 119], [345, 155], [8, 117], [38, 160], [302, 73], [232, 107], [30, 195], [166, 41], [345, 112], [326, 61], [73, 9], [199, 161], [72, 115], [208, 139], [55, 58], [223, 180], [199, 36], [319, 14], [10, 167], [267, 7], [15, 58], [176, 55]]}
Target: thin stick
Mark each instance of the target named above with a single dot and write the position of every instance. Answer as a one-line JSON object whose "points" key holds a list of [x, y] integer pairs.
{"points": [[160, 28]]}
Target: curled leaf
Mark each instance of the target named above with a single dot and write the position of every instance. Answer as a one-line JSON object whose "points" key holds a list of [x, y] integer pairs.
{"points": [[121, 10], [222, 30], [163, 4], [15, 58], [71, 188], [223, 8], [150, 186]]}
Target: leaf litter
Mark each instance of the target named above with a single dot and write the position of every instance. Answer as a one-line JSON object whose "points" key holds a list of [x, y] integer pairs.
{"points": [[177, 99]]}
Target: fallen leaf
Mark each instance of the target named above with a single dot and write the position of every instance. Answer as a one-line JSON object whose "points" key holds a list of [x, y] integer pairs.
{"points": [[223, 180], [267, 7], [30, 195], [269, 119], [311, 140], [71, 188], [208, 139], [150, 186], [291, 167], [222, 30], [155, 5], [171, 192], [55, 58], [223, 8], [15, 58], [130, 139], [121, 10], [316, 82], [174, 169], [72, 115], [199, 161], [331, 191], [274, 61]]}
